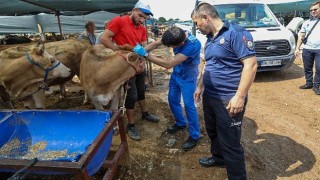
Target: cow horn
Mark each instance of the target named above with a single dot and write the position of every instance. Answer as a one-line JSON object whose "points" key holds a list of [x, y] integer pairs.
{"points": [[39, 48]]}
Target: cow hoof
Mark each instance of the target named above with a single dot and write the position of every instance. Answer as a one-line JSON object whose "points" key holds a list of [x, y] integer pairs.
{"points": [[85, 103], [116, 130], [62, 97]]}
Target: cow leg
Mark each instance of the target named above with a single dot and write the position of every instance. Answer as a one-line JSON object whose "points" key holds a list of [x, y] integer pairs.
{"points": [[115, 106], [6, 98], [115, 100], [63, 93], [28, 102], [39, 99], [86, 98]]}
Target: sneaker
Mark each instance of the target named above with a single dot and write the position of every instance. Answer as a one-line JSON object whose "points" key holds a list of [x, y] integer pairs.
{"points": [[133, 133], [173, 129], [189, 144], [150, 117]]}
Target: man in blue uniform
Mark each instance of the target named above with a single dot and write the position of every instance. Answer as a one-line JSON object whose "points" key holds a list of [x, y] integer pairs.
{"points": [[230, 69], [183, 81], [311, 48]]}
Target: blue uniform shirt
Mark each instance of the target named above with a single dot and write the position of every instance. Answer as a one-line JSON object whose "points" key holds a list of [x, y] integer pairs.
{"points": [[188, 69], [223, 55]]}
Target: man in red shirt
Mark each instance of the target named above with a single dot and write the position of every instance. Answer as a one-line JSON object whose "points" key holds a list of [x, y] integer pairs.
{"points": [[129, 29]]}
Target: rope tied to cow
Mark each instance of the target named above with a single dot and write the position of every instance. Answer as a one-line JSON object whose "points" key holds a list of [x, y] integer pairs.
{"points": [[125, 89], [126, 59], [44, 86]]}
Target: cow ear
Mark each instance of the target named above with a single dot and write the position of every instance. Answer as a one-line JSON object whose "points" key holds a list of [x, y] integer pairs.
{"points": [[39, 49], [23, 49], [132, 57]]}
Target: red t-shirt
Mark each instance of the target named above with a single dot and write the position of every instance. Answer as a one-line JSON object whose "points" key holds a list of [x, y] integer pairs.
{"points": [[126, 32]]}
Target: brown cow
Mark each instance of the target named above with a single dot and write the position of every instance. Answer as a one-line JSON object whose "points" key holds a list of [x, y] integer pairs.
{"points": [[103, 71], [69, 52], [23, 70]]}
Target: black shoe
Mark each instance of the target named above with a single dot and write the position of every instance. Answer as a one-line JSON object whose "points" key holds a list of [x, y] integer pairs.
{"points": [[306, 86], [189, 144], [316, 91], [211, 162], [150, 117], [173, 129]]}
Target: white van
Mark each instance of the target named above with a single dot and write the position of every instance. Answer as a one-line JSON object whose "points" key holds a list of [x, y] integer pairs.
{"points": [[274, 44]]}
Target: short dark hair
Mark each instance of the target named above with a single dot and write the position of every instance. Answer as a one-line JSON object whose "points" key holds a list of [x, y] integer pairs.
{"points": [[174, 36], [204, 9], [89, 24]]}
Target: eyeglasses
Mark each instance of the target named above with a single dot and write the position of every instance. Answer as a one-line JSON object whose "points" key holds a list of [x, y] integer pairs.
{"points": [[311, 10]]}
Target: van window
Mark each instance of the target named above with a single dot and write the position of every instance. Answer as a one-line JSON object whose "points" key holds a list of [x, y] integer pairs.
{"points": [[247, 15]]}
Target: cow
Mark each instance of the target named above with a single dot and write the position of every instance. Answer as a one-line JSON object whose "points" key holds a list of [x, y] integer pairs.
{"points": [[14, 39], [69, 52], [103, 72], [24, 71]]}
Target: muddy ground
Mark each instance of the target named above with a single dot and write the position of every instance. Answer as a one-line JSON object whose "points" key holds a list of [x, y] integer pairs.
{"points": [[281, 131]]}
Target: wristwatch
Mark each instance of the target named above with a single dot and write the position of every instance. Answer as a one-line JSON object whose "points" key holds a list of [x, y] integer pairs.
{"points": [[146, 54]]}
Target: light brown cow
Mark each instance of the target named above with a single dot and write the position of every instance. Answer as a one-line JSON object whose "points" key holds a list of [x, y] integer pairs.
{"points": [[68, 52], [103, 71], [23, 70]]}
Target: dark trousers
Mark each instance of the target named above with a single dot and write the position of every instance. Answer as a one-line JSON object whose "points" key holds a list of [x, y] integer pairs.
{"points": [[224, 132], [136, 92], [311, 57]]}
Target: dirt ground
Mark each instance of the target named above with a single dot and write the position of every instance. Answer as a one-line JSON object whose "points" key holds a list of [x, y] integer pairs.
{"points": [[281, 131]]}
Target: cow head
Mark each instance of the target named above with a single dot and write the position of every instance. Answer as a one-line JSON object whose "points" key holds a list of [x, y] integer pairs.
{"points": [[41, 58], [132, 58]]}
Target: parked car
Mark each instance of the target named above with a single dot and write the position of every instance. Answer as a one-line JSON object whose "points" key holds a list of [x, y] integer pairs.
{"points": [[274, 43]]}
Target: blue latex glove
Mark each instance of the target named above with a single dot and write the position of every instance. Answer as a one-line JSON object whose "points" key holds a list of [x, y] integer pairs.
{"points": [[140, 50]]}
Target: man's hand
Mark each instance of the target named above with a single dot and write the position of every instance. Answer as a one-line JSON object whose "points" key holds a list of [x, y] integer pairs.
{"points": [[140, 50], [197, 94], [236, 105]]}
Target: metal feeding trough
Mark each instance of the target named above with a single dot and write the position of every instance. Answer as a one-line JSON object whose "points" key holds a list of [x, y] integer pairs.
{"points": [[59, 142]]}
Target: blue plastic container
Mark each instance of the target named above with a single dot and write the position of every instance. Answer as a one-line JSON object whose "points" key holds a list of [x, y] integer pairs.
{"points": [[68, 131]]}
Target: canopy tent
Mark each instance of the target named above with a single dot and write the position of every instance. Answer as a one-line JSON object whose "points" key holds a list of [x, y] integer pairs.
{"points": [[59, 8], [49, 23], [65, 7]]}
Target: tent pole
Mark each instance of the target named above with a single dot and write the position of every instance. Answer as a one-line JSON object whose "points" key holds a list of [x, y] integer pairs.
{"points": [[59, 23], [149, 64]]}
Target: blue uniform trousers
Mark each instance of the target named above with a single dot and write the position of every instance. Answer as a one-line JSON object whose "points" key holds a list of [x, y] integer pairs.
{"points": [[224, 132], [310, 57], [186, 88]]}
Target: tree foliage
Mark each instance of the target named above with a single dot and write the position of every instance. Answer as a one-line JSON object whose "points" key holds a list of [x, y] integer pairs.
{"points": [[162, 20]]}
